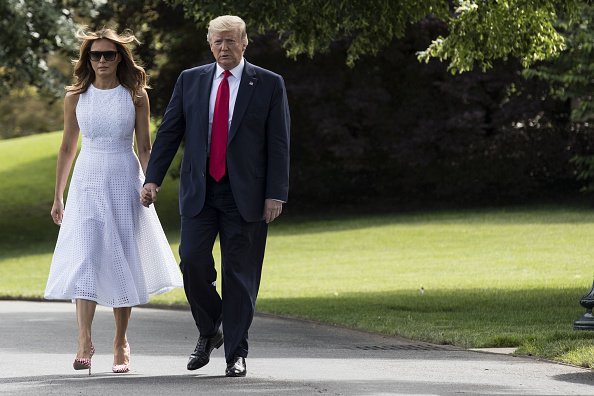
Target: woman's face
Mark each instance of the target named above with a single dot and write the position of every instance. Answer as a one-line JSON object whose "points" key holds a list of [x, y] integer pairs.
{"points": [[104, 58]]}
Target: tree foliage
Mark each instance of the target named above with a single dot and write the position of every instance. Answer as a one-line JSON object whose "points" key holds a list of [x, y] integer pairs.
{"points": [[393, 129], [400, 129], [168, 40], [480, 31], [311, 26], [571, 78], [30, 31]]}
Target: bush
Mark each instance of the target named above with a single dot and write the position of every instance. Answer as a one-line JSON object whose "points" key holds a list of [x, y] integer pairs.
{"points": [[26, 112]]}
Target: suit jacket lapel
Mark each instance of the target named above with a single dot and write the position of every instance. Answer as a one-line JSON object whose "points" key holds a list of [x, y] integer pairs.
{"points": [[205, 86], [247, 85]]}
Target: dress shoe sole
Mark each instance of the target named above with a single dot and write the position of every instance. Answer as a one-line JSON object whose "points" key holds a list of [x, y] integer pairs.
{"points": [[233, 374]]}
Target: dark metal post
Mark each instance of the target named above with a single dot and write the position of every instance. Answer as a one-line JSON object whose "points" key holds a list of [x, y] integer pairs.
{"points": [[586, 322]]}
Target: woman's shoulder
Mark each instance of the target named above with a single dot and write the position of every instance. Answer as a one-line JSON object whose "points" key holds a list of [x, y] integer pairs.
{"points": [[141, 98], [71, 98]]}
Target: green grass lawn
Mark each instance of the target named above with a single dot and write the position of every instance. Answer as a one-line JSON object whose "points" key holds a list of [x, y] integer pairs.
{"points": [[493, 277]]}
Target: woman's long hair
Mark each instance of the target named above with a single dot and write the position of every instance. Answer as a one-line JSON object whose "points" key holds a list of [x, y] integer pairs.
{"points": [[131, 76]]}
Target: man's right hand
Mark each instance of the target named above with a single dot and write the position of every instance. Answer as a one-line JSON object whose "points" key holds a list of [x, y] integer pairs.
{"points": [[148, 195]]}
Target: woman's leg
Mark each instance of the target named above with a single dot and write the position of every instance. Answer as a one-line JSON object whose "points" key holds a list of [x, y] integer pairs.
{"points": [[85, 311], [121, 351]]}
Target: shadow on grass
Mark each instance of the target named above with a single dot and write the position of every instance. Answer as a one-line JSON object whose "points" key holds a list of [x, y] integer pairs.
{"points": [[466, 318], [25, 207], [514, 215]]}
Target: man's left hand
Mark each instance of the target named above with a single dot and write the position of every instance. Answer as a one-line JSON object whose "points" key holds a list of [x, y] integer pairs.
{"points": [[272, 209]]}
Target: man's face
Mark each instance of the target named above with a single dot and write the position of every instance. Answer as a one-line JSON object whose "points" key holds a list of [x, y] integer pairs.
{"points": [[227, 48]]}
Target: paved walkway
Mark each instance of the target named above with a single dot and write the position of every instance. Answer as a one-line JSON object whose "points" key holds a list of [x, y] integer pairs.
{"points": [[288, 357]]}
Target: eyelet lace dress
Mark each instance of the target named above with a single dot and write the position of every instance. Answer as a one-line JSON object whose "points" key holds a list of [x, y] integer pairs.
{"points": [[110, 248]]}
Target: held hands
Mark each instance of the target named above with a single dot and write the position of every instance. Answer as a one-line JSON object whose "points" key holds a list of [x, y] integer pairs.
{"points": [[57, 212], [272, 209], [148, 195]]}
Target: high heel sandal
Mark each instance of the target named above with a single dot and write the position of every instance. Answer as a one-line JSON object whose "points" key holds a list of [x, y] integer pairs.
{"points": [[122, 368], [84, 363]]}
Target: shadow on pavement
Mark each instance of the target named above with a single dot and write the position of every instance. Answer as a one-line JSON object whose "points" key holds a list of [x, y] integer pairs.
{"points": [[130, 384]]}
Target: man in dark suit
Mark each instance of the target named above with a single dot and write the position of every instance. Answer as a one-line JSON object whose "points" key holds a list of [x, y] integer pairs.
{"points": [[234, 117]]}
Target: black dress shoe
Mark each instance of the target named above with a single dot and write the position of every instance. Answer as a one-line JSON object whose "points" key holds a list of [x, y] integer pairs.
{"points": [[201, 355], [236, 368]]}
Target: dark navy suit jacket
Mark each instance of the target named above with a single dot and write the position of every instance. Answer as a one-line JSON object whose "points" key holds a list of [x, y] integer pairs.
{"points": [[257, 147]]}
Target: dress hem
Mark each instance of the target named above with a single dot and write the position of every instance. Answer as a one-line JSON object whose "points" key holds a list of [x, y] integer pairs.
{"points": [[104, 304]]}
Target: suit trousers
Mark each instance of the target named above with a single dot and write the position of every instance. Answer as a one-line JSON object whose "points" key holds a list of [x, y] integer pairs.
{"points": [[242, 253]]}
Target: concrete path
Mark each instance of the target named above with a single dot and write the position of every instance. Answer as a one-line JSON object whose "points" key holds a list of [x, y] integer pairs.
{"points": [[287, 357]]}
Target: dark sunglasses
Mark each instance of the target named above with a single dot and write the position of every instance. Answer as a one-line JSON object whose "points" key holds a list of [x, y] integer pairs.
{"points": [[109, 56]]}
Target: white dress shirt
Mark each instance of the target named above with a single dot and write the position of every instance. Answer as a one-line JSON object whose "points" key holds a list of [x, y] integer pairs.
{"points": [[233, 80]]}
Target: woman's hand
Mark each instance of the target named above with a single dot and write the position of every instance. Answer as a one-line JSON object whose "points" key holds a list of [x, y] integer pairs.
{"points": [[148, 195], [57, 212]]}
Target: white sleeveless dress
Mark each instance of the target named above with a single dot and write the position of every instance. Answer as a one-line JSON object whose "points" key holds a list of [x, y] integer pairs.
{"points": [[110, 248]]}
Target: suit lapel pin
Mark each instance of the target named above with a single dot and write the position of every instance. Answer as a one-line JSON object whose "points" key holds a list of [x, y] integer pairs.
{"points": [[251, 83]]}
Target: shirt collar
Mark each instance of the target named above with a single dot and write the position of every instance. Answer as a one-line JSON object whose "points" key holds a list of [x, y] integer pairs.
{"points": [[236, 71]]}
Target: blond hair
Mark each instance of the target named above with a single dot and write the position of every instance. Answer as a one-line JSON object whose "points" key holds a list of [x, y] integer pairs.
{"points": [[131, 75], [226, 23]]}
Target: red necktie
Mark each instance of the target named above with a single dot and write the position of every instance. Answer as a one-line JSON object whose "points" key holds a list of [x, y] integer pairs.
{"points": [[220, 126]]}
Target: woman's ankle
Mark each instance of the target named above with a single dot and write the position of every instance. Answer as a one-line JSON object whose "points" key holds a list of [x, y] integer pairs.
{"points": [[84, 348], [120, 343]]}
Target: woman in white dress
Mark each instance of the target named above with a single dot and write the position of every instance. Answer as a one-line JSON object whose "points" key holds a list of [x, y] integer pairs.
{"points": [[111, 250]]}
